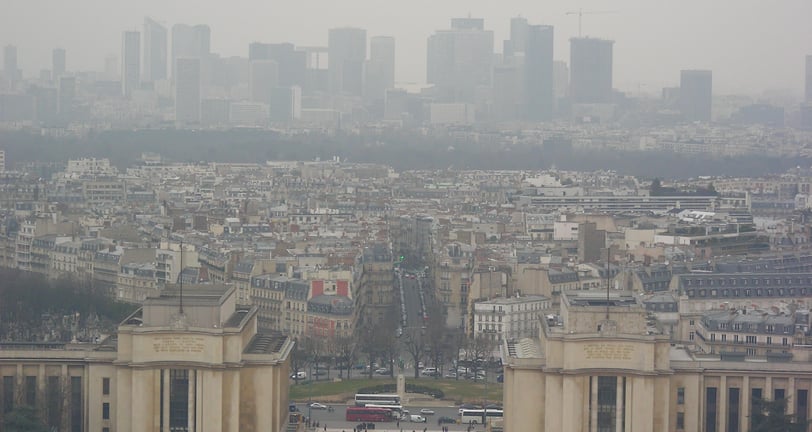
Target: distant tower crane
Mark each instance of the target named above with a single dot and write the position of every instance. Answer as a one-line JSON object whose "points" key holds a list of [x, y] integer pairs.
{"points": [[581, 13]]}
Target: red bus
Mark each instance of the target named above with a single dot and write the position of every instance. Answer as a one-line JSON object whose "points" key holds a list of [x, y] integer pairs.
{"points": [[369, 414]]}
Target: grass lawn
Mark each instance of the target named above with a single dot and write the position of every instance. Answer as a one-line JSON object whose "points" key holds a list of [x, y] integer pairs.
{"points": [[340, 391]]}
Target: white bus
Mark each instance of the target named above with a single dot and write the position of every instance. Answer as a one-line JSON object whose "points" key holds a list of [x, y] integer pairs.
{"points": [[362, 399], [479, 416]]}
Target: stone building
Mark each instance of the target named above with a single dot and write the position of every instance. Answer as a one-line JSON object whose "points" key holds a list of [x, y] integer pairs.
{"points": [[601, 365], [169, 368]]}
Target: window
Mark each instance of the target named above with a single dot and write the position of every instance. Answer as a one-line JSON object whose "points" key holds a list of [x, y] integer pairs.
{"points": [[8, 393], [680, 421], [105, 386], [691, 322], [681, 396], [106, 411], [31, 391], [691, 336], [784, 342], [710, 409], [733, 409], [769, 340]]}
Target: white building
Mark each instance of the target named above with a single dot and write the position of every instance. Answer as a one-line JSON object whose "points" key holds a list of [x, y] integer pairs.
{"points": [[510, 318]]}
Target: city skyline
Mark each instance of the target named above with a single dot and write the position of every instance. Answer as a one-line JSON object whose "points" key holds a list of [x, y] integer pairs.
{"points": [[742, 61]]}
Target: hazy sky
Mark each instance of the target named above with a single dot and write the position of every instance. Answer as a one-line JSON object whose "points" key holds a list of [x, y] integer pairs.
{"points": [[751, 45]]}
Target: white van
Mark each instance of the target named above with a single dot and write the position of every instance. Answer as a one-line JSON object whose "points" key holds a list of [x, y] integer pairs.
{"points": [[414, 418], [429, 371]]}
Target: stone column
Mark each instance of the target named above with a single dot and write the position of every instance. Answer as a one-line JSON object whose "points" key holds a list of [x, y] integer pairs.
{"points": [[790, 395], [744, 412], [165, 399], [192, 398], [768, 388], [721, 396], [619, 411], [593, 403]]}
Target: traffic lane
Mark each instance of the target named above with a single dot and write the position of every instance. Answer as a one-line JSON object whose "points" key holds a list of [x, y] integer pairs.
{"points": [[336, 419]]}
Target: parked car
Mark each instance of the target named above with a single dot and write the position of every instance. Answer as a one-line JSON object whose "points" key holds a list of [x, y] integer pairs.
{"points": [[415, 418], [316, 405], [446, 419], [427, 411], [451, 375], [298, 375], [382, 371]]}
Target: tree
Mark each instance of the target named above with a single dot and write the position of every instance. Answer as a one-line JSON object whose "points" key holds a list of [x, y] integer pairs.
{"points": [[771, 416], [437, 336], [346, 353], [414, 341], [479, 351], [23, 419], [365, 336]]}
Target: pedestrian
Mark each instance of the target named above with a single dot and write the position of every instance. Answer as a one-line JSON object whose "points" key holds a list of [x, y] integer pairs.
{"points": [[325, 428]]}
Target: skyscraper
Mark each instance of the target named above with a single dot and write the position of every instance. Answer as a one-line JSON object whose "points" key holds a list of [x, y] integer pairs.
{"points": [[130, 62], [518, 34], [347, 53], [382, 50], [808, 79], [187, 91], [155, 46], [538, 75], [696, 94], [590, 70], [263, 77], [380, 70], [460, 60], [58, 60], [66, 96], [10, 70], [292, 63], [190, 42]]}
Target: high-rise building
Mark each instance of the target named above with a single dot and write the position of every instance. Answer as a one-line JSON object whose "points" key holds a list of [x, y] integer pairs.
{"points": [[347, 53], [155, 47], [58, 60], [809, 79], [111, 67], [292, 63], [590, 70], [538, 75], [696, 95], [561, 79], [286, 104], [187, 91], [518, 34], [460, 60], [190, 42], [130, 62], [10, 70], [66, 94], [380, 71], [507, 92], [262, 78], [382, 50]]}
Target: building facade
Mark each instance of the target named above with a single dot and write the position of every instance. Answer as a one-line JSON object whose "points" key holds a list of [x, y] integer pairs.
{"points": [[165, 370], [602, 365]]}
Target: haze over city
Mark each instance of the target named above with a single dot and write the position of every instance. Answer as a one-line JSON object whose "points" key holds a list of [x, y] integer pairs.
{"points": [[445, 215], [750, 45]]}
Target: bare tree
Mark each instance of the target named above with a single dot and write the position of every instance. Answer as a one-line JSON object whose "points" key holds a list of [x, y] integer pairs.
{"points": [[436, 337], [414, 341], [346, 353], [479, 351], [365, 337]]}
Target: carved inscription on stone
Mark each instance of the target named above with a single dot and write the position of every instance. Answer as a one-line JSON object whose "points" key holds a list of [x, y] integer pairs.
{"points": [[606, 351], [178, 344]]}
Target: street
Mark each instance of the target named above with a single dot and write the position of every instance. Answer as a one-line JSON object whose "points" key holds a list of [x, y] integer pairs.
{"points": [[334, 421]]}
